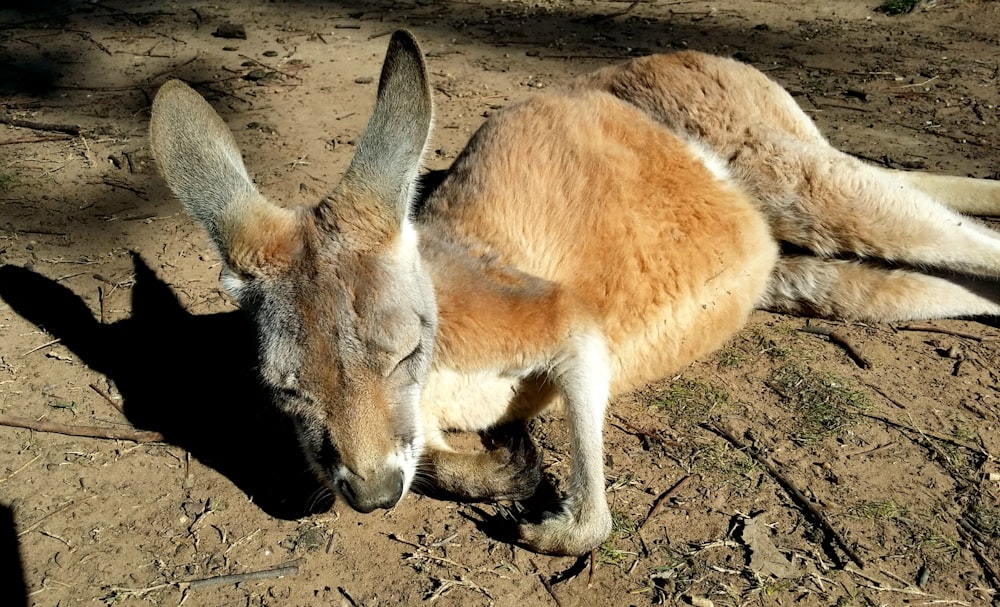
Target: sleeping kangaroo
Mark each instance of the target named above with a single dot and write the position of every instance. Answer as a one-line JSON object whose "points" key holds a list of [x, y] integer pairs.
{"points": [[586, 241]]}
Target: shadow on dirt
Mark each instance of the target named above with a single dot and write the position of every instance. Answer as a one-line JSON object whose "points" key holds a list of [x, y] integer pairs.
{"points": [[33, 67], [189, 377], [11, 571]]}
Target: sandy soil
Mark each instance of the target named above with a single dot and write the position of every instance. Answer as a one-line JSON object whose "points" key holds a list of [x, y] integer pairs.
{"points": [[111, 316]]}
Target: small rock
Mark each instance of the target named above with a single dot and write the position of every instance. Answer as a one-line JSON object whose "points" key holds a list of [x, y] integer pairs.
{"points": [[364, 80], [270, 53], [231, 30], [255, 75]]}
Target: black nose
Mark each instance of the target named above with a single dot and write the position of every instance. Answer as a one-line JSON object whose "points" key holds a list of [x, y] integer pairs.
{"points": [[377, 490]]}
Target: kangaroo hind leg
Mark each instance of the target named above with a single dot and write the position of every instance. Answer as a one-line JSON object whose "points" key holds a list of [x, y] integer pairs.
{"points": [[860, 291], [963, 194], [833, 204]]}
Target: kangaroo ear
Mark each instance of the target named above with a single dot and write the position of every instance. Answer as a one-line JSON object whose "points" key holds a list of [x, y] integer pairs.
{"points": [[201, 164], [387, 162]]}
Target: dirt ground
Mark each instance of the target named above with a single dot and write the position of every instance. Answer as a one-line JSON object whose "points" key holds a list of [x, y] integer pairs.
{"points": [[111, 315]]}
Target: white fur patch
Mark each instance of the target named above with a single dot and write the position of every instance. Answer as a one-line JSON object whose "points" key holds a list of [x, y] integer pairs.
{"points": [[466, 401], [406, 250], [712, 161]]}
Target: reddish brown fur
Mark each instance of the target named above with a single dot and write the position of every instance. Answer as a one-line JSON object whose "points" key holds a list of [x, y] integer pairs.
{"points": [[677, 229], [266, 238]]}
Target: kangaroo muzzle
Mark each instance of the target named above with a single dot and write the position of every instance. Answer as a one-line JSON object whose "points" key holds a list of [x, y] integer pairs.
{"points": [[378, 490]]}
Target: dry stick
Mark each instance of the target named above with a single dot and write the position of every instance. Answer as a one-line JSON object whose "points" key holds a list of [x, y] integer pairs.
{"points": [[43, 346], [936, 329], [662, 499], [818, 516], [64, 507], [985, 563], [979, 535], [838, 338], [882, 393], [348, 597], [548, 588], [138, 436], [100, 301], [36, 139], [14, 473], [70, 129], [238, 578], [268, 67], [107, 397], [901, 426]]}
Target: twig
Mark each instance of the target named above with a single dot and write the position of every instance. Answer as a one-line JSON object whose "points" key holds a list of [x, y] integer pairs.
{"points": [[56, 537], [63, 508], [877, 585], [548, 588], [36, 139], [422, 552], [917, 84], [818, 516], [643, 435], [100, 302], [936, 329], [237, 578], [70, 129], [210, 582], [107, 397], [347, 597], [987, 565], [139, 436], [268, 67], [838, 338], [662, 499], [901, 426], [35, 231], [14, 473], [43, 346], [170, 69], [122, 186], [882, 393]]}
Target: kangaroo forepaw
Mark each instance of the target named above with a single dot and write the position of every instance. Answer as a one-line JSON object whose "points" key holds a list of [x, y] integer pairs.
{"points": [[570, 532], [511, 471]]}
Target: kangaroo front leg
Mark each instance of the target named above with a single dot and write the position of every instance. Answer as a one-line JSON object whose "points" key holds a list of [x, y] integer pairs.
{"points": [[511, 471], [582, 373]]}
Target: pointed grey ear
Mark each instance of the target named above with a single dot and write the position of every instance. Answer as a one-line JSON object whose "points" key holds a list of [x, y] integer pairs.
{"points": [[389, 153], [201, 164]]}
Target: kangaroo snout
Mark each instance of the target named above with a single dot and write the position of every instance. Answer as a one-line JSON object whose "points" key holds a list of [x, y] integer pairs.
{"points": [[364, 494]]}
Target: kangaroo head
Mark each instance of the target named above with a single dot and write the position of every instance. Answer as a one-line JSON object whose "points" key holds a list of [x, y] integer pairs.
{"points": [[344, 310]]}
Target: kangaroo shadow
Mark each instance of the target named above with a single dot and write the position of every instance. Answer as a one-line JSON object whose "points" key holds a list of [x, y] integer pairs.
{"points": [[15, 592], [191, 377]]}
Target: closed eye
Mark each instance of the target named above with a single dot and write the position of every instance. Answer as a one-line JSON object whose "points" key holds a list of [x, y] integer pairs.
{"points": [[406, 359]]}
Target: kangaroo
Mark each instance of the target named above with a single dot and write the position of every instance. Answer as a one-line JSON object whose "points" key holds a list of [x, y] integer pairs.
{"points": [[588, 240]]}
